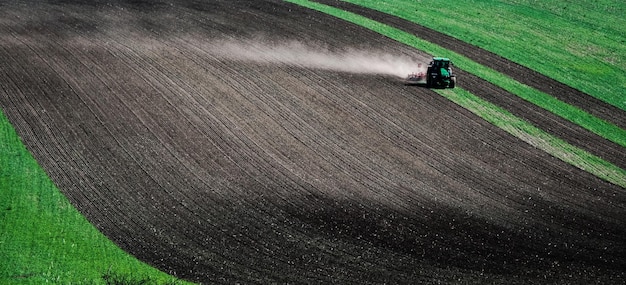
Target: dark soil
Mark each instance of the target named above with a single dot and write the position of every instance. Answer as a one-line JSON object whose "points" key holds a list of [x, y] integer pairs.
{"points": [[225, 171]]}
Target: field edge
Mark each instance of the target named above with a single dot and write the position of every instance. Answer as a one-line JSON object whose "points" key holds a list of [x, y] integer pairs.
{"points": [[45, 237]]}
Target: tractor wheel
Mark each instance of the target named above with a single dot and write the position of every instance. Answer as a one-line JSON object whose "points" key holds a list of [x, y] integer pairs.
{"points": [[452, 82]]}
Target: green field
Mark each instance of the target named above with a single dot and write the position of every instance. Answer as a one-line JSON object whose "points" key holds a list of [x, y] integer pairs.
{"points": [[43, 239]]}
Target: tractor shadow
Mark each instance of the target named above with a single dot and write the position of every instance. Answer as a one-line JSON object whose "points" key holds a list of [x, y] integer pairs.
{"points": [[423, 85]]}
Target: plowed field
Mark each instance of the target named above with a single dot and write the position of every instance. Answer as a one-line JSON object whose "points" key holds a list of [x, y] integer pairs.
{"points": [[223, 170]]}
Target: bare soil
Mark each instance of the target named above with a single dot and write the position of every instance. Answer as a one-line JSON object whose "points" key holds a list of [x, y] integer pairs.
{"points": [[222, 171]]}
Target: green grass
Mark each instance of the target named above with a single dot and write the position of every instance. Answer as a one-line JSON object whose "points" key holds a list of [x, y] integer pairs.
{"points": [[43, 239], [579, 43]]}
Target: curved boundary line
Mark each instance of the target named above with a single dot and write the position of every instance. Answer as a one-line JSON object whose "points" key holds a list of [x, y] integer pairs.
{"points": [[498, 116], [49, 224]]}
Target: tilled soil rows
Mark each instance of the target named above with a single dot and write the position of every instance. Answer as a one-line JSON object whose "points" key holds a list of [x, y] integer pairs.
{"points": [[220, 170]]}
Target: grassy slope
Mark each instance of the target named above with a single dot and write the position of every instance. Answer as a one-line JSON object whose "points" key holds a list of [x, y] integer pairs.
{"points": [[43, 239], [580, 43]]}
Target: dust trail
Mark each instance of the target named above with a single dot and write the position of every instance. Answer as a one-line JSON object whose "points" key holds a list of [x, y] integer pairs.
{"points": [[299, 54]]}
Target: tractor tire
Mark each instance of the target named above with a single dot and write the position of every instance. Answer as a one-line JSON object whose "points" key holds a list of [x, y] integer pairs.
{"points": [[452, 82]]}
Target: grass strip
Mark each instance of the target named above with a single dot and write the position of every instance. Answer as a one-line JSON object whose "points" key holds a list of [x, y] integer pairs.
{"points": [[500, 117], [44, 239], [571, 113], [536, 137]]}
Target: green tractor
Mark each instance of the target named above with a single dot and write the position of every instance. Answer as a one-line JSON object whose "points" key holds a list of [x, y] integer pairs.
{"points": [[439, 73]]}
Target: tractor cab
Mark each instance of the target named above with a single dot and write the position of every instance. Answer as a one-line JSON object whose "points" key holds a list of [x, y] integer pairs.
{"points": [[440, 62]]}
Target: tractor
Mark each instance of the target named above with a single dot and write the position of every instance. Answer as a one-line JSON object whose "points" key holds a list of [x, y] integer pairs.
{"points": [[438, 74]]}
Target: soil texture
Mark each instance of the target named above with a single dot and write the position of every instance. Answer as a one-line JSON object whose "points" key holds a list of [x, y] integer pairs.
{"points": [[225, 170]]}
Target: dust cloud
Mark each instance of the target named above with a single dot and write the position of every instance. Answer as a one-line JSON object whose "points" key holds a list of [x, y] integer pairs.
{"points": [[297, 53]]}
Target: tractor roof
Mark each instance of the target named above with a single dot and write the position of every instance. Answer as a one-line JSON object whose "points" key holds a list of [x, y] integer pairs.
{"points": [[441, 59]]}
